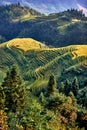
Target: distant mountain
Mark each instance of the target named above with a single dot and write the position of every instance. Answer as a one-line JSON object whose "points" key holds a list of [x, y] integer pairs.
{"points": [[10, 15], [57, 29], [50, 6], [16, 11]]}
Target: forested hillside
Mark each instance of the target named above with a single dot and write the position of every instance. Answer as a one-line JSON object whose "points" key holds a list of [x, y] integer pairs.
{"points": [[42, 88], [43, 69], [58, 29]]}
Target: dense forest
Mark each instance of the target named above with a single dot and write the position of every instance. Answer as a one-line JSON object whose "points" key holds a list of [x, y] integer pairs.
{"points": [[55, 108]]}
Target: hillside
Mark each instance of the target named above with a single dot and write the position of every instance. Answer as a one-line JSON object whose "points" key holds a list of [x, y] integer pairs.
{"points": [[16, 12], [42, 87], [58, 29], [43, 67], [24, 44], [10, 15], [61, 29], [36, 61]]}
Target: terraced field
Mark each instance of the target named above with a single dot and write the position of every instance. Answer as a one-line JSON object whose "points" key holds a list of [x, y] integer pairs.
{"points": [[36, 61]]}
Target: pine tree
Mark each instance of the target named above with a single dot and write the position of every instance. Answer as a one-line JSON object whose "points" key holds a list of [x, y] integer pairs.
{"points": [[75, 86], [67, 88], [51, 85], [18, 93], [6, 85], [18, 3], [14, 91]]}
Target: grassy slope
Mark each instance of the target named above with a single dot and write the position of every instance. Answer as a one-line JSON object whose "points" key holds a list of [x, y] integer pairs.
{"points": [[24, 44], [36, 61]]}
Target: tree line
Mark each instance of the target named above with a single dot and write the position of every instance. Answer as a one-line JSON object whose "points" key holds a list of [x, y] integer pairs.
{"points": [[20, 109]]}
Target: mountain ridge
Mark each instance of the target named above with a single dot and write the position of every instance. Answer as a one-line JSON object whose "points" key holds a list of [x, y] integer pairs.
{"points": [[50, 6], [17, 12], [55, 29]]}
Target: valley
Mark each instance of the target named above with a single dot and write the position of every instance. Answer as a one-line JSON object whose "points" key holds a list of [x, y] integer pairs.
{"points": [[43, 69]]}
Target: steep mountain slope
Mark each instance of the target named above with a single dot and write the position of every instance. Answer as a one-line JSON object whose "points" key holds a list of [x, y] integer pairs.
{"points": [[61, 29], [37, 63]]}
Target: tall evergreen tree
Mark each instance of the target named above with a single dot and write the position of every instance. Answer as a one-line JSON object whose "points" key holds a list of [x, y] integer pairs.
{"points": [[75, 86], [7, 87], [15, 93], [51, 85], [67, 87]]}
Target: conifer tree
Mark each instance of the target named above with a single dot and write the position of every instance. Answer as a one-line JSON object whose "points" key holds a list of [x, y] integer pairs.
{"points": [[51, 85], [18, 93], [67, 88], [18, 3], [6, 85], [14, 91], [75, 86]]}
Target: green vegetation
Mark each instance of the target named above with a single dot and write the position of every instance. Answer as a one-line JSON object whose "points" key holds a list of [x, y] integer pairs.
{"points": [[47, 111], [38, 64], [16, 12], [60, 29], [42, 88]]}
